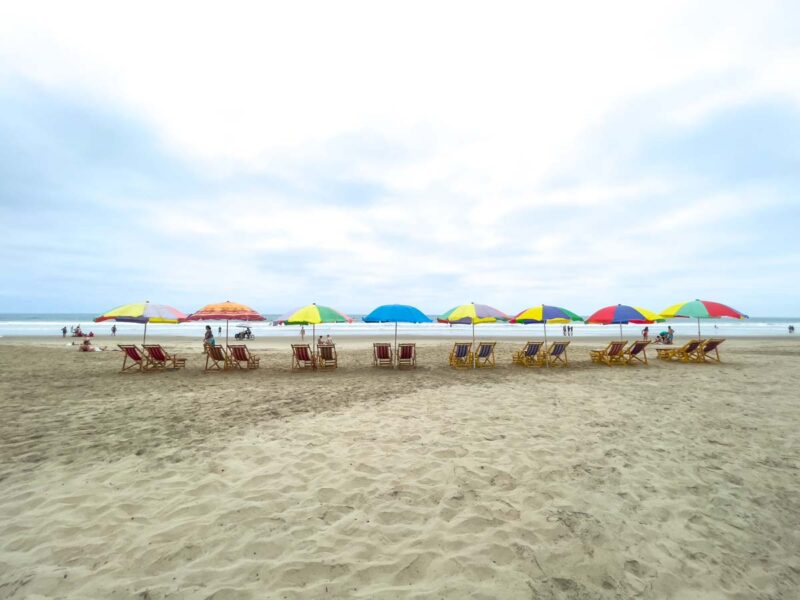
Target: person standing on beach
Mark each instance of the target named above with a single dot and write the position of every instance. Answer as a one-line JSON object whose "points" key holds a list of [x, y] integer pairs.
{"points": [[114, 330], [645, 333], [64, 331], [208, 338], [219, 330], [302, 333]]}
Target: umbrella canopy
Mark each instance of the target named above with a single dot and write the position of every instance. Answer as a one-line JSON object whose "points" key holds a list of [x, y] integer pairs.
{"points": [[702, 309], [396, 313], [313, 314], [545, 314], [143, 312], [473, 314], [226, 311], [622, 314], [470, 314]]}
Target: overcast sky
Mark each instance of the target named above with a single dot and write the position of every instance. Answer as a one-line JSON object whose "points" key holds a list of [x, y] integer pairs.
{"points": [[355, 154]]}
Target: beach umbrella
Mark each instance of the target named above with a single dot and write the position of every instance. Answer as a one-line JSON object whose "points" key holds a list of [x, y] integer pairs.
{"points": [[143, 312], [622, 314], [545, 314], [702, 309], [313, 314], [396, 313], [228, 311], [473, 314]]}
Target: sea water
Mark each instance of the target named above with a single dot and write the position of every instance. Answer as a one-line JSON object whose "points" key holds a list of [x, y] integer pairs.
{"points": [[51, 324]]}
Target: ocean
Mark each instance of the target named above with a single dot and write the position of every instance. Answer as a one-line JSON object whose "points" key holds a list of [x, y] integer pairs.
{"points": [[24, 324]]}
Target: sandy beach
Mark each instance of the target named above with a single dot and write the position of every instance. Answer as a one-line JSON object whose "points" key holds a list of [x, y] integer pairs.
{"points": [[669, 481]]}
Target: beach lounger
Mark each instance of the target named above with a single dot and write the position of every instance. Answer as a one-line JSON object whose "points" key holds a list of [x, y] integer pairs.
{"points": [[709, 351], [461, 355], [613, 354], [241, 356], [139, 361], [406, 356], [302, 357], [484, 355], [556, 355], [162, 359], [636, 351], [326, 357], [382, 355], [217, 358], [689, 352], [529, 355]]}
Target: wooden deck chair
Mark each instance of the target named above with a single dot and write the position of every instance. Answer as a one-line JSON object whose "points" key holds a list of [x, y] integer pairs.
{"points": [[461, 355], [689, 352], [636, 351], [556, 355], [326, 357], [382, 355], [484, 355], [241, 356], [528, 356], [613, 354], [162, 359], [302, 358], [406, 356], [139, 361], [711, 346], [217, 358]]}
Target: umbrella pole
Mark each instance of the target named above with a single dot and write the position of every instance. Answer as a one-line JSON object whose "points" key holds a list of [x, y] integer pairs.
{"points": [[313, 338], [226, 331], [620, 331], [395, 340], [144, 337], [546, 360], [698, 329], [474, 358]]}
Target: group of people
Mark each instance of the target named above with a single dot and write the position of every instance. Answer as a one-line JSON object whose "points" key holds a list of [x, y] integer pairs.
{"points": [[327, 340], [664, 337], [567, 329], [78, 332]]}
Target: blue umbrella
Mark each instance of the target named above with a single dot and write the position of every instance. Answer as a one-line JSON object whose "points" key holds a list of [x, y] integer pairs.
{"points": [[396, 313]]}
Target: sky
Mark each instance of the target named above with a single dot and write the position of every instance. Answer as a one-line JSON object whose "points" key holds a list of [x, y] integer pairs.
{"points": [[358, 153]]}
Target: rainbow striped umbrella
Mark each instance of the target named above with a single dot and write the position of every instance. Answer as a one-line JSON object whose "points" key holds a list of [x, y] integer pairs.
{"points": [[472, 314], [313, 314], [226, 311], [622, 314], [702, 309], [143, 312], [545, 314]]}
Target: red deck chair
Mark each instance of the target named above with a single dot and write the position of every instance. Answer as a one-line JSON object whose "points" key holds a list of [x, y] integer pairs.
{"points": [[406, 356], [162, 359], [240, 354], [138, 359], [382, 355], [302, 357]]}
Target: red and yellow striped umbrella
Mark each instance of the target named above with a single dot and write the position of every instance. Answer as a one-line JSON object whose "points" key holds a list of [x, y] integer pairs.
{"points": [[226, 311]]}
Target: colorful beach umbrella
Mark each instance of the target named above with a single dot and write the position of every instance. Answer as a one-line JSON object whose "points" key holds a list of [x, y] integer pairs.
{"points": [[545, 314], [227, 311], [396, 313], [313, 314], [472, 314], [143, 312], [622, 314], [702, 309]]}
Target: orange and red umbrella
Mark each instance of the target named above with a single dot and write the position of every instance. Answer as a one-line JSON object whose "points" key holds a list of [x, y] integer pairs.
{"points": [[226, 311]]}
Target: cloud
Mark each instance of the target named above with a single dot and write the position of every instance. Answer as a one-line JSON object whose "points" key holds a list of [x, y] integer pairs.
{"points": [[362, 155]]}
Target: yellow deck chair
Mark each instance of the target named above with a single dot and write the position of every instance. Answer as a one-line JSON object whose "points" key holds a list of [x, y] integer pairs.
{"points": [[613, 354], [484, 355], [461, 355], [637, 351], [709, 351], [556, 354], [529, 356], [689, 352]]}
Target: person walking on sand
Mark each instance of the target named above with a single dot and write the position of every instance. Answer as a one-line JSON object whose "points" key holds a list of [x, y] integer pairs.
{"points": [[302, 333], [208, 338], [114, 330], [64, 331], [645, 333]]}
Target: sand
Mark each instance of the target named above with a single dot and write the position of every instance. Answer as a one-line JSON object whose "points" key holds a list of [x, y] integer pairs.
{"points": [[668, 481]]}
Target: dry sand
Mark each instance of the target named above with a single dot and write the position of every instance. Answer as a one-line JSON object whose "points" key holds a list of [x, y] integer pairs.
{"points": [[668, 481]]}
